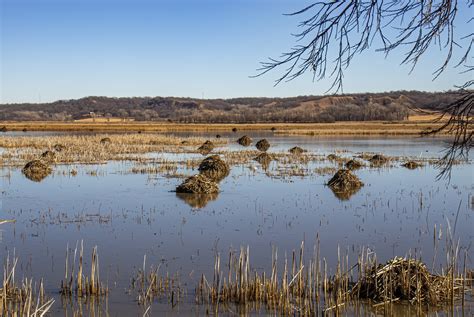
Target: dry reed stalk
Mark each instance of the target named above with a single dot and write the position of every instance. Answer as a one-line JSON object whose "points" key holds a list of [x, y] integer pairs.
{"points": [[82, 285], [24, 299]]}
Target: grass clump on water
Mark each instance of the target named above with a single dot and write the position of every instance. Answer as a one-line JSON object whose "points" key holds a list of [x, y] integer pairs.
{"points": [[36, 170], [206, 148], [262, 145], [296, 150], [244, 141], [214, 168], [198, 184], [412, 165]]}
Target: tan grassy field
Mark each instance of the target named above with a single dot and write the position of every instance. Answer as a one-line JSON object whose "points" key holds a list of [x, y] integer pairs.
{"points": [[414, 126]]}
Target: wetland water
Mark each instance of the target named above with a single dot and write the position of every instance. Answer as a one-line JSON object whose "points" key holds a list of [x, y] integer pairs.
{"points": [[129, 215]]}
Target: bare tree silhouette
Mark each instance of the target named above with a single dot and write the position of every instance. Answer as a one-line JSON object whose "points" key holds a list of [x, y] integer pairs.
{"points": [[335, 31]]}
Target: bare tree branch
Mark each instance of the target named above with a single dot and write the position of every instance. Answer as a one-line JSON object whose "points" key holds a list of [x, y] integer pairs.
{"points": [[335, 31]]}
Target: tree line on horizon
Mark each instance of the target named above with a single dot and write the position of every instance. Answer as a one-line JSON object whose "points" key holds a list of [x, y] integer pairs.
{"points": [[389, 106]]}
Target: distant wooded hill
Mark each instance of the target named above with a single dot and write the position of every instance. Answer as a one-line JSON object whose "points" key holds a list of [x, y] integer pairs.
{"points": [[354, 107]]}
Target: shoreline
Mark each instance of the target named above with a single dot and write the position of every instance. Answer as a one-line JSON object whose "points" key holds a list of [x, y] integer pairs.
{"points": [[408, 128]]}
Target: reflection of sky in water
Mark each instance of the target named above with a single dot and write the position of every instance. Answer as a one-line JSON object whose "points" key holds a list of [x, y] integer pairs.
{"points": [[130, 215]]}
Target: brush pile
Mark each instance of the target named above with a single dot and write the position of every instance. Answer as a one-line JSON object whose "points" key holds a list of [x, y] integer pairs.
{"points": [[412, 165], [296, 150], [36, 170], [198, 184], [333, 157], [48, 156], [353, 165], [344, 181], [214, 168], [262, 145], [378, 159], [244, 141], [405, 279], [206, 148]]}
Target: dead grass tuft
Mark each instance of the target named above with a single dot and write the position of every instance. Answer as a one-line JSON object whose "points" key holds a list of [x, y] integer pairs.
{"points": [[198, 184]]}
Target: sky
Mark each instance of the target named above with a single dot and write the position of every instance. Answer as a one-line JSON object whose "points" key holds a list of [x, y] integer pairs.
{"points": [[67, 49]]}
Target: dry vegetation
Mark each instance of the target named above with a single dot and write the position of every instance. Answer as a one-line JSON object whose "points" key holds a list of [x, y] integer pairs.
{"points": [[24, 298], [306, 288], [88, 149], [337, 128]]}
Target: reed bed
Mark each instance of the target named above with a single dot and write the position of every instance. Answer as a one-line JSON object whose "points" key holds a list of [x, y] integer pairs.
{"points": [[151, 286], [89, 149], [79, 284], [21, 299], [306, 287]]}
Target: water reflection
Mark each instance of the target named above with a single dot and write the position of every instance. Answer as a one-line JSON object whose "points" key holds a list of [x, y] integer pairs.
{"points": [[197, 200], [346, 194]]}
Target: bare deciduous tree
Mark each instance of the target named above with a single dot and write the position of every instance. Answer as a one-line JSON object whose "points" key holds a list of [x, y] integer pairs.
{"points": [[333, 32]]}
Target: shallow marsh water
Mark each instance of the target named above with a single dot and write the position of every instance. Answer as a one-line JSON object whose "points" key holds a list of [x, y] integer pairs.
{"points": [[131, 215]]}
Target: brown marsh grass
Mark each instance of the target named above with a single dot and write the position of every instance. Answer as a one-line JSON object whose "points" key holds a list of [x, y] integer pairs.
{"points": [[411, 127], [24, 298], [79, 284], [88, 149], [305, 286]]}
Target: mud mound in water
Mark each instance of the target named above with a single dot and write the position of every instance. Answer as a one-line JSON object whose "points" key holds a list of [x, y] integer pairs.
{"points": [[412, 165], [344, 181], [48, 156], [214, 168], [405, 279], [353, 165], [105, 141], [206, 148], [262, 145], [234, 129], [197, 200], [296, 150], [244, 141], [36, 170], [378, 159], [3, 129], [333, 157], [198, 184]]}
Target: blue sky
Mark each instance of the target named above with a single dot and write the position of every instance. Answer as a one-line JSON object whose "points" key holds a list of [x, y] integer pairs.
{"points": [[64, 49]]}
